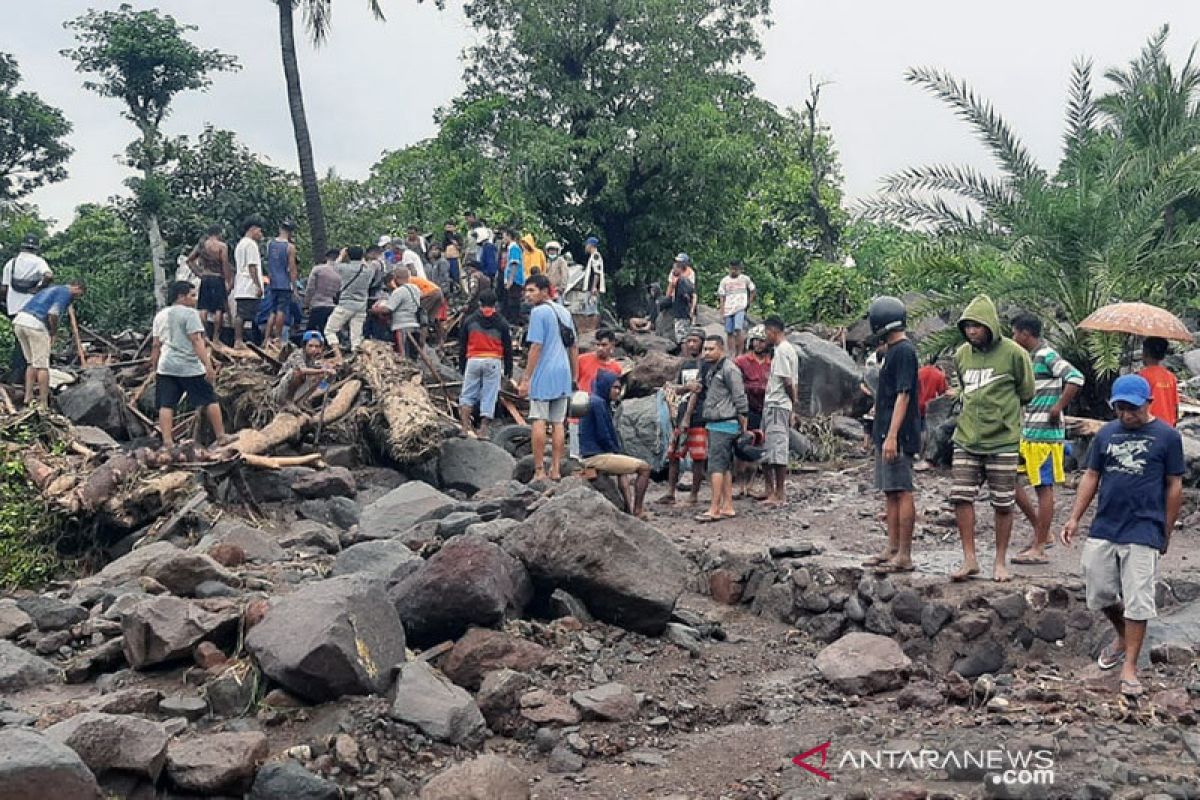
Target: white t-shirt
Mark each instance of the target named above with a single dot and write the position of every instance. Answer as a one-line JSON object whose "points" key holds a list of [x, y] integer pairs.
{"points": [[735, 292], [412, 260], [248, 261], [784, 364], [23, 266]]}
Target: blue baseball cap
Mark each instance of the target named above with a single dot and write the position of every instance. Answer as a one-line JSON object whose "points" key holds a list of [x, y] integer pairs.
{"points": [[592, 240], [1132, 389], [310, 335], [683, 258]]}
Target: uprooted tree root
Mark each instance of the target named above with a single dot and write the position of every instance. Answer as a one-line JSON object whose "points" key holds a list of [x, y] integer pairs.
{"points": [[402, 415]]}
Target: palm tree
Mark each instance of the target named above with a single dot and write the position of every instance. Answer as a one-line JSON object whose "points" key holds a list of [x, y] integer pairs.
{"points": [[1104, 226]]}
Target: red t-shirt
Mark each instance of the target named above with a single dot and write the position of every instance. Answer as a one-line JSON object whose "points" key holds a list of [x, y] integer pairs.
{"points": [[931, 384], [755, 374], [1164, 391], [589, 365]]}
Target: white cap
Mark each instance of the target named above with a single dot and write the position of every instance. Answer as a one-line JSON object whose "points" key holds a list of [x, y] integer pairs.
{"points": [[482, 234], [384, 241], [553, 246]]}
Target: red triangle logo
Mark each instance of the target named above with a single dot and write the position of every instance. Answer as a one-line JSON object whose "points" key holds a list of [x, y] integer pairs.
{"points": [[802, 761]]}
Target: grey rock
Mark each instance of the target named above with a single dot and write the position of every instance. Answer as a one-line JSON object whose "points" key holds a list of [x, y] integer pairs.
{"points": [[457, 523], [564, 760], [972, 625], [883, 590], [469, 465], [934, 617], [20, 669], [500, 693], [545, 739], [428, 701], [180, 705], [13, 621], [986, 657], [1009, 606], [863, 663], [35, 767], [218, 763], [775, 601], [287, 780], [907, 607], [210, 589], [920, 695], [180, 571], [827, 627], [109, 742], [255, 543], [638, 424], [230, 694], [829, 378], [162, 629], [388, 559], [320, 484], [485, 777], [339, 512], [814, 601], [879, 620], [97, 400], [310, 533], [626, 572], [470, 581], [402, 508], [684, 636], [494, 530], [1051, 626], [612, 702], [330, 638], [565, 604], [854, 609], [1173, 653], [50, 613]]}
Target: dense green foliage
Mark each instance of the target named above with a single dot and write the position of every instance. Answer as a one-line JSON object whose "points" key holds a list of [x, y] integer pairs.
{"points": [[32, 147], [28, 528]]}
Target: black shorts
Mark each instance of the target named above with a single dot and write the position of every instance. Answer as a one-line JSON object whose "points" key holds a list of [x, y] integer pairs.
{"points": [[213, 295], [247, 308], [170, 389]]}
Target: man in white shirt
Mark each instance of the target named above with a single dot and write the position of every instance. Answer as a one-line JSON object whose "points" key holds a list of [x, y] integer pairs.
{"points": [[737, 294], [411, 260], [248, 277], [24, 275]]}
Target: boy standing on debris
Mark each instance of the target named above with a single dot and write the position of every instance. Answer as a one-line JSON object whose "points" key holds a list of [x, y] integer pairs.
{"points": [[485, 350], [1136, 462], [551, 367], [182, 363], [725, 410], [997, 379], [1043, 436], [896, 431]]}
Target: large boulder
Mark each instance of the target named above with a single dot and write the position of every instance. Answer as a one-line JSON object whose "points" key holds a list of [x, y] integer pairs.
{"points": [[401, 508], [95, 399], [257, 544], [51, 614], [625, 571], [485, 777], [864, 663], [1179, 626], [219, 763], [483, 650], [613, 702], [320, 484], [13, 621], [388, 559], [470, 581], [109, 742], [428, 701], [158, 630], [941, 418], [180, 571], [829, 379], [650, 373], [644, 424], [20, 669], [35, 767], [330, 638], [469, 465]]}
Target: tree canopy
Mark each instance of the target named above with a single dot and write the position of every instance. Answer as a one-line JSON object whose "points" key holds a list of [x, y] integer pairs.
{"points": [[33, 150]]}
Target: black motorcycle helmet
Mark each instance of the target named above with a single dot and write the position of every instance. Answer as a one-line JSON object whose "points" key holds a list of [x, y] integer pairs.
{"points": [[748, 448], [887, 314]]}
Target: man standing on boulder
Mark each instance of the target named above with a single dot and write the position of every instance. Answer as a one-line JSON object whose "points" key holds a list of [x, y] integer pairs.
{"points": [[1136, 462], [551, 368], [996, 376], [1043, 437]]}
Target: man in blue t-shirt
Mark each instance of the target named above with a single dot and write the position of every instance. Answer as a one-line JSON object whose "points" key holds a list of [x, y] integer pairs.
{"points": [[1136, 462], [34, 326], [550, 372]]}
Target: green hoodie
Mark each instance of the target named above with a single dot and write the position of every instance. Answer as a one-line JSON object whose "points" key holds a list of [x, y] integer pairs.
{"points": [[996, 381]]}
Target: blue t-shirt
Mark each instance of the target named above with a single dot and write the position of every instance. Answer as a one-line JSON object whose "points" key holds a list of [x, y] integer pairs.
{"points": [[51, 300], [514, 265], [277, 265], [552, 378], [1134, 465]]}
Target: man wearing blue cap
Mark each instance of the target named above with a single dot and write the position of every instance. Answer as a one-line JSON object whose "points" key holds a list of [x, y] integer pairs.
{"points": [[303, 371], [1136, 462]]}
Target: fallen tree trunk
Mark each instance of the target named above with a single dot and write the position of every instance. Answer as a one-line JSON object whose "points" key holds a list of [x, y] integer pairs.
{"points": [[404, 419], [289, 425]]}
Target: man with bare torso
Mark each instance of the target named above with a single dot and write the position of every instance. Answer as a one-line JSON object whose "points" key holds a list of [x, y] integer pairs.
{"points": [[209, 261]]}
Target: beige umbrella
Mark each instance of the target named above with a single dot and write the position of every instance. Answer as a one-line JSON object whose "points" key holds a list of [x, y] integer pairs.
{"points": [[1139, 319]]}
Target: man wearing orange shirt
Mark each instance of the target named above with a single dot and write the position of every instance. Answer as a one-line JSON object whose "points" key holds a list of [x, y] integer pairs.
{"points": [[1164, 389]]}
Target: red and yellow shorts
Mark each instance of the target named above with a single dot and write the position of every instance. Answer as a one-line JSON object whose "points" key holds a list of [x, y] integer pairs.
{"points": [[696, 446]]}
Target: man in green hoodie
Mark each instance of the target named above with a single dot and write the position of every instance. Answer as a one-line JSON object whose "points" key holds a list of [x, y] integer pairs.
{"points": [[997, 380]]}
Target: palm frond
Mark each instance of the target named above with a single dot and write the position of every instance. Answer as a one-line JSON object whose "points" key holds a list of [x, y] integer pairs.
{"points": [[928, 212], [318, 19], [1008, 150], [1081, 108], [993, 195]]}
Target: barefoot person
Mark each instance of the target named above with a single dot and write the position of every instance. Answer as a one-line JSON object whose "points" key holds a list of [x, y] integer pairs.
{"points": [[725, 409], [1136, 462], [552, 366], [600, 444], [779, 413], [1043, 437], [997, 379], [689, 439], [896, 432], [182, 363]]}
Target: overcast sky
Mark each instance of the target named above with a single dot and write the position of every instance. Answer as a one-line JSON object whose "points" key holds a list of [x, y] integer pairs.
{"points": [[374, 86]]}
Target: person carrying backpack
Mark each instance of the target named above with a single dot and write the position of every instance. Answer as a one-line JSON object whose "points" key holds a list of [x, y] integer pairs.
{"points": [[550, 372]]}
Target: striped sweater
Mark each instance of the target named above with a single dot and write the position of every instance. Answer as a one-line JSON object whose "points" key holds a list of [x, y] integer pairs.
{"points": [[1051, 374]]}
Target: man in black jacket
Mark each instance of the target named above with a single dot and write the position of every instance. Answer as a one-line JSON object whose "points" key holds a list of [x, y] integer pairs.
{"points": [[485, 347]]}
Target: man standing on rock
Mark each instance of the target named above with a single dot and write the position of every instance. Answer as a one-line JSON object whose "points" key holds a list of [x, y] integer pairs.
{"points": [[209, 261], [183, 364], [996, 376], [1043, 436], [736, 291], [779, 410], [550, 369], [896, 431], [485, 350], [689, 437], [1136, 462], [248, 278], [725, 410]]}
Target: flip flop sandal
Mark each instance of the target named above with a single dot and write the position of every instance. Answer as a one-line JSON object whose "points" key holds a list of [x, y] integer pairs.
{"points": [[873, 561], [1110, 657], [730, 515], [1132, 689], [892, 569], [1030, 560], [706, 518]]}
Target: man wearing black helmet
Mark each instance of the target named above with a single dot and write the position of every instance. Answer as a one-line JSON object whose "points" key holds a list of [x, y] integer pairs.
{"points": [[896, 432]]}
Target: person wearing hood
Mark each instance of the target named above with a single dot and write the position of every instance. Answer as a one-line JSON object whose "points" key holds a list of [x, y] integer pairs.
{"points": [[485, 348], [600, 444], [489, 254], [996, 376], [535, 259]]}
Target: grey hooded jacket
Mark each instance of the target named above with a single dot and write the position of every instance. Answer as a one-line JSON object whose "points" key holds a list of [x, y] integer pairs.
{"points": [[725, 394]]}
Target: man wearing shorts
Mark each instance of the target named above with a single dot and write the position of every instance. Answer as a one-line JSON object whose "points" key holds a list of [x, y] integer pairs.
{"points": [[485, 347], [1137, 464], [1043, 436], [736, 291], [600, 444], [997, 379], [725, 411], [282, 273], [896, 432], [35, 325], [779, 409], [248, 278], [182, 363], [689, 439], [550, 370], [209, 261]]}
